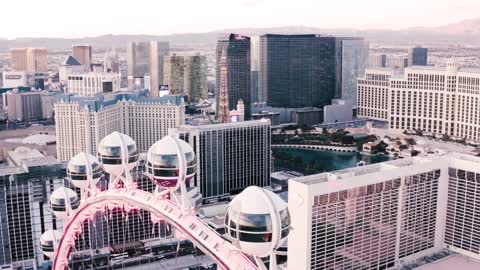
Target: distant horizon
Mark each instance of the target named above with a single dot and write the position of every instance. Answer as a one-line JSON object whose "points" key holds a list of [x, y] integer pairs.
{"points": [[228, 30], [88, 18]]}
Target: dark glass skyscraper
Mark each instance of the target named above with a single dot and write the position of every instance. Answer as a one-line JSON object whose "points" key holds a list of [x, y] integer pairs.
{"points": [[237, 53], [297, 70], [417, 56]]}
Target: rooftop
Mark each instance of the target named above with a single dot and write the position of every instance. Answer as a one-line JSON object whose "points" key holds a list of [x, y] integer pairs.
{"points": [[71, 61], [227, 125], [213, 210], [427, 68], [455, 261], [23, 160], [470, 69], [442, 68], [285, 175], [40, 139], [100, 100], [94, 74], [23, 153], [37, 162], [362, 170], [263, 113], [308, 109], [389, 69]]}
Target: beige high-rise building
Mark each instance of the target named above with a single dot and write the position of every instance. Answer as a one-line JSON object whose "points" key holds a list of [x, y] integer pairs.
{"points": [[24, 106], [83, 54], [146, 58], [81, 123], [196, 83], [397, 62], [173, 74], [29, 59], [377, 60], [18, 59], [37, 60]]}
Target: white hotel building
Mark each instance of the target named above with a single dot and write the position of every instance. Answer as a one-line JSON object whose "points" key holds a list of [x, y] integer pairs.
{"points": [[439, 100], [372, 95], [82, 122], [92, 83], [387, 215]]}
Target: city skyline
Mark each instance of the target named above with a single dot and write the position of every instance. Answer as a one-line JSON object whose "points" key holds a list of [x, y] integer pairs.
{"points": [[368, 14], [240, 135]]}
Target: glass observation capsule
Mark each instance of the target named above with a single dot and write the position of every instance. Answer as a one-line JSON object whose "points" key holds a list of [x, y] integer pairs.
{"points": [[112, 150], [49, 242], [257, 221], [62, 199], [163, 166], [77, 170]]}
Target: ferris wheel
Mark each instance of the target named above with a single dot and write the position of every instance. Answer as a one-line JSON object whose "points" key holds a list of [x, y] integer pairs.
{"points": [[257, 220]]}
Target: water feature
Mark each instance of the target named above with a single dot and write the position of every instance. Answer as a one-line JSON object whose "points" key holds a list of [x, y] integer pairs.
{"points": [[314, 161]]}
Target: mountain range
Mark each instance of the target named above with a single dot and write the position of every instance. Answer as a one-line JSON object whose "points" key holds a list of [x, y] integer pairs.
{"points": [[467, 31]]}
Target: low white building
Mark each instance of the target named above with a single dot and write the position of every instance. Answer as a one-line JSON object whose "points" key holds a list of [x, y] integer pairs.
{"points": [[367, 147], [14, 79], [339, 111], [70, 65], [92, 83]]}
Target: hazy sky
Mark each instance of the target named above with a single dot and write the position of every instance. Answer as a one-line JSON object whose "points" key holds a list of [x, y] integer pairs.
{"points": [[78, 18]]}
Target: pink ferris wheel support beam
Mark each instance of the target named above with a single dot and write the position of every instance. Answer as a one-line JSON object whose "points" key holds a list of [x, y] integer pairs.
{"points": [[201, 235]]}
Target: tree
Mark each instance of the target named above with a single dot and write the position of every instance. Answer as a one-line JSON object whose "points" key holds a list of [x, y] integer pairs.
{"points": [[347, 140], [381, 147], [411, 141]]}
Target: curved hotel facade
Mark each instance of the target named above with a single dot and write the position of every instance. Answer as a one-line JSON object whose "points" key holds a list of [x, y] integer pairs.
{"points": [[437, 100]]}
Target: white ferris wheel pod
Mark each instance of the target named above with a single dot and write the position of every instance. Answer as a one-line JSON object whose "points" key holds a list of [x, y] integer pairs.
{"points": [[84, 170], [170, 163], [49, 242], [257, 221], [63, 202], [117, 153]]}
